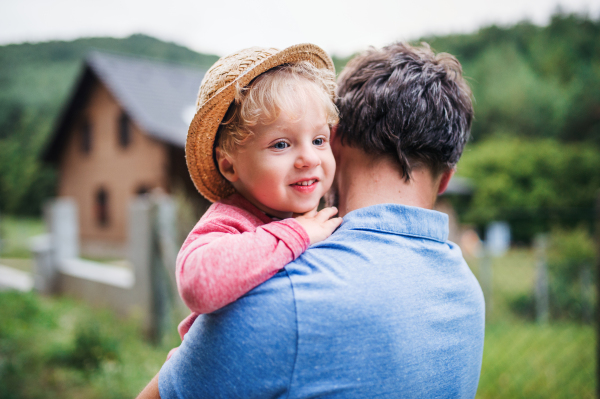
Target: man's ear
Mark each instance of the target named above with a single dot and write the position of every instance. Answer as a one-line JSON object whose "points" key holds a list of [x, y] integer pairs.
{"points": [[446, 176], [226, 166], [333, 139]]}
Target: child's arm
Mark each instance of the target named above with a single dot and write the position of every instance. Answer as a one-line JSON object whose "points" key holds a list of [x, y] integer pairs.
{"points": [[220, 264], [217, 264]]}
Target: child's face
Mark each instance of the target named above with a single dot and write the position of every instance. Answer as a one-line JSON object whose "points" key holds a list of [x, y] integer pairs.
{"points": [[287, 165]]}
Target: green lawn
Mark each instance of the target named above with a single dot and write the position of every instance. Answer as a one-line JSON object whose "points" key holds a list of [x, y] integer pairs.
{"points": [[523, 359], [15, 234], [512, 275], [59, 348]]}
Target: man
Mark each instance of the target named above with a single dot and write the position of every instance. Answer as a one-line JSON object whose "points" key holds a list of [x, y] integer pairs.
{"points": [[386, 307]]}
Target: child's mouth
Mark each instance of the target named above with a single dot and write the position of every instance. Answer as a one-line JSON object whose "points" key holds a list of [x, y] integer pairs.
{"points": [[305, 182], [305, 186]]}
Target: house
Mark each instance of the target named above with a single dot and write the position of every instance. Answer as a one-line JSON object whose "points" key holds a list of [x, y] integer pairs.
{"points": [[458, 188], [122, 133]]}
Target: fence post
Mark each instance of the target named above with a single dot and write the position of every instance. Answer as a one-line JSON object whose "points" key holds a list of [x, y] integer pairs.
{"points": [[162, 262], [153, 248], [1, 236], [61, 242], [166, 228], [45, 271], [64, 228], [140, 248], [497, 242], [585, 280], [542, 311], [485, 275]]}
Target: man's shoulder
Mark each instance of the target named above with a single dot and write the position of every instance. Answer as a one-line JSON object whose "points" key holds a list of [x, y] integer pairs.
{"points": [[375, 285], [245, 349]]}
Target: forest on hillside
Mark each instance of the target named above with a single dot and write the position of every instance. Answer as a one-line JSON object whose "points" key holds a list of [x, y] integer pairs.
{"points": [[535, 151], [534, 157]]}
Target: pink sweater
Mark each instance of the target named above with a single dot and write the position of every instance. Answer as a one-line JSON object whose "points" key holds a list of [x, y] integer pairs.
{"points": [[232, 249]]}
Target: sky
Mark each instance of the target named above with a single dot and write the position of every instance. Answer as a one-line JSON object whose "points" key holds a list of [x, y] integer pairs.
{"points": [[341, 27]]}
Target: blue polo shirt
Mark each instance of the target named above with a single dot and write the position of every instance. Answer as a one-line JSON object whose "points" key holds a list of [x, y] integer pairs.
{"points": [[386, 307]]}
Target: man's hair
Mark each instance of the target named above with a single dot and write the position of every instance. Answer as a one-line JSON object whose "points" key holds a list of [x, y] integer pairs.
{"points": [[406, 102], [275, 91]]}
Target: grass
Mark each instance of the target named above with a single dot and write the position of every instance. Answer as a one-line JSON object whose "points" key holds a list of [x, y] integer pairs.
{"points": [[60, 348], [56, 347], [15, 234], [523, 359], [25, 265], [512, 275]]}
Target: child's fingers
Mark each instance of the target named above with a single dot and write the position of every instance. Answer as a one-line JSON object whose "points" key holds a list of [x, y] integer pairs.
{"points": [[333, 223], [326, 214], [311, 214]]}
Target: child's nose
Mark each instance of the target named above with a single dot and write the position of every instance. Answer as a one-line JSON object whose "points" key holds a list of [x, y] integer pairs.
{"points": [[307, 158]]}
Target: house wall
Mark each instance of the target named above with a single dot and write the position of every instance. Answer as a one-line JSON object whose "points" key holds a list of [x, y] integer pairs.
{"points": [[454, 229], [120, 171]]}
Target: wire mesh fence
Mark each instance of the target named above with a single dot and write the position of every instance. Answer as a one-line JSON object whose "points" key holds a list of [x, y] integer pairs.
{"points": [[528, 356], [526, 360], [525, 355]]}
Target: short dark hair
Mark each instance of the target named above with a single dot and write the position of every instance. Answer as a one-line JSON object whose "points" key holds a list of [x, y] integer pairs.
{"points": [[406, 102]]}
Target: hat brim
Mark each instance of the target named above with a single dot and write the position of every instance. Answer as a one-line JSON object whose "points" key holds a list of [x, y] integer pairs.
{"points": [[203, 129]]}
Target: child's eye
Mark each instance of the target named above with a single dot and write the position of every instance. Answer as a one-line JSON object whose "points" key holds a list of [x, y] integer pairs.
{"points": [[318, 141], [281, 145]]}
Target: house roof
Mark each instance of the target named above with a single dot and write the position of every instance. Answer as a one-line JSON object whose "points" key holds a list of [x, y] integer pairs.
{"points": [[158, 96]]}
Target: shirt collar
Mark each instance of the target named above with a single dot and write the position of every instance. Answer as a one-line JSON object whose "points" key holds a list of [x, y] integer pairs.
{"points": [[399, 219]]}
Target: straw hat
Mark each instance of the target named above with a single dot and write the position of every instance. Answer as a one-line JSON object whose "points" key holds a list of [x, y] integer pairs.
{"points": [[217, 92]]}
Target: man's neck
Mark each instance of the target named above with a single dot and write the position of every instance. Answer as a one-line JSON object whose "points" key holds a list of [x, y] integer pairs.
{"points": [[363, 180]]}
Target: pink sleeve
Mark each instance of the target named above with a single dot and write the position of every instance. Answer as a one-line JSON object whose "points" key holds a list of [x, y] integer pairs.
{"points": [[218, 264]]}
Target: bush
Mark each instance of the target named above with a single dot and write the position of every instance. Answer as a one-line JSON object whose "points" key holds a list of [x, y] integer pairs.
{"points": [[90, 348], [59, 348], [523, 305], [21, 356], [534, 185], [570, 258]]}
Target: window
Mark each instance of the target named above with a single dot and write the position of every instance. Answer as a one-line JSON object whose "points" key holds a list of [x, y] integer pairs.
{"points": [[86, 137], [124, 130], [143, 189], [102, 207]]}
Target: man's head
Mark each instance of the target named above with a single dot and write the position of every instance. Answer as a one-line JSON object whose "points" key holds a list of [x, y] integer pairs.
{"points": [[407, 103]]}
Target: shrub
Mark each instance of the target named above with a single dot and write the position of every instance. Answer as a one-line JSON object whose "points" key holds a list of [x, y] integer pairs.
{"points": [[59, 348], [534, 185], [91, 346], [523, 305], [570, 258]]}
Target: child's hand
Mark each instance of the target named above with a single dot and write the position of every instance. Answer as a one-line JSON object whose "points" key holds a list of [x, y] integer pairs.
{"points": [[319, 225]]}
